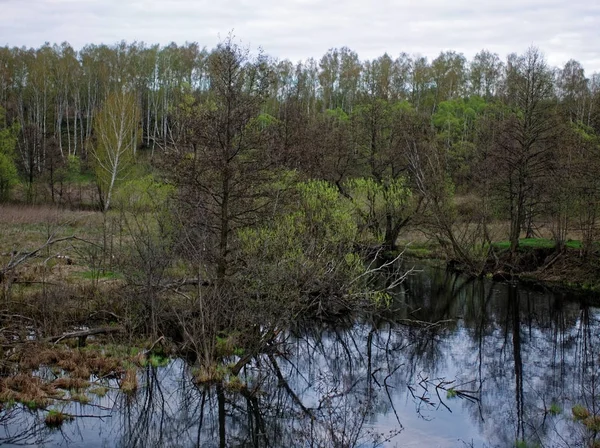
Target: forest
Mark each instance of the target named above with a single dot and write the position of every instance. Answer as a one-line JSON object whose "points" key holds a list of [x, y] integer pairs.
{"points": [[211, 198], [404, 141], [205, 204]]}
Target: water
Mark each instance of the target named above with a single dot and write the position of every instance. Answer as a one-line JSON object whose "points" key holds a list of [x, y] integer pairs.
{"points": [[457, 364]]}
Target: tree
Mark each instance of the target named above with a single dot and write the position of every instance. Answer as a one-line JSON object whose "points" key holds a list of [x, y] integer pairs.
{"points": [[526, 139], [457, 123], [573, 90], [449, 74], [485, 74], [383, 199], [115, 128], [8, 170], [224, 166]]}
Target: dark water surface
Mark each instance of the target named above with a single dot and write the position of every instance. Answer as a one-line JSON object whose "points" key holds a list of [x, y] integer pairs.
{"points": [[458, 364]]}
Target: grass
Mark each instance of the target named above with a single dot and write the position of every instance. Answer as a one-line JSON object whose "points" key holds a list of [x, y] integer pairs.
{"points": [[129, 384], [55, 419], [74, 368], [101, 274], [555, 409], [68, 383], [80, 397], [538, 243], [580, 412], [158, 361], [100, 391], [592, 423], [421, 250]]}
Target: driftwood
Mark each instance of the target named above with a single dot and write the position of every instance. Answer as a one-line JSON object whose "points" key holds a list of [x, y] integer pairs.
{"points": [[83, 334]]}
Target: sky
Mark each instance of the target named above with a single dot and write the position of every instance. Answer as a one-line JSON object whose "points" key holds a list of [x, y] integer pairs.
{"points": [[299, 29]]}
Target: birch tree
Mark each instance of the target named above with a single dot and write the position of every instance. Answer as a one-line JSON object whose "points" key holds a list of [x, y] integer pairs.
{"points": [[115, 128]]}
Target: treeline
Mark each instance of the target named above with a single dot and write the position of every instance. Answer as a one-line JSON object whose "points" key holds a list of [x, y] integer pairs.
{"points": [[396, 137]]}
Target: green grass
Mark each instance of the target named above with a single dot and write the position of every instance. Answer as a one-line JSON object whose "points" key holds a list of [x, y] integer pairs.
{"points": [[555, 409], [538, 243], [158, 361], [55, 418], [95, 275]]}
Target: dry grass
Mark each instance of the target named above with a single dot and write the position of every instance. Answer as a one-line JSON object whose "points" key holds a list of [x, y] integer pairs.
{"points": [[24, 227], [26, 389], [79, 364], [80, 397], [45, 214], [209, 374], [99, 391], [129, 384], [69, 383], [74, 368], [103, 366]]}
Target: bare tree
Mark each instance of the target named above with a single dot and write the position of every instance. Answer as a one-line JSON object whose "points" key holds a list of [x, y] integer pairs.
{"points": [[526, 139]]}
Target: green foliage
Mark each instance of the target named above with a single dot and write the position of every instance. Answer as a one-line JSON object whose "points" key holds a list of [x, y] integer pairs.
{"points": [[585, 133], [322, 216], [116, 130], [337, 114], [451, 393], [592, 423], [143, 194], [73, 167], [326, 215], [373, 201], [456, 123], [99, 391], [8, 169], [311, 242]]}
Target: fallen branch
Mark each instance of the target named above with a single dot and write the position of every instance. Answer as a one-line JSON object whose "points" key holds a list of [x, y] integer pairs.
{"points": [[84, 334]]}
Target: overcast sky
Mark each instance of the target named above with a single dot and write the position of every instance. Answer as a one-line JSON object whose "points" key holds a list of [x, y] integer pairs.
{"points": [[298, 29]]}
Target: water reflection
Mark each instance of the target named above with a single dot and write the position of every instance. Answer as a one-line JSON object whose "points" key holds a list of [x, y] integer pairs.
{"points": [[458, 363]]}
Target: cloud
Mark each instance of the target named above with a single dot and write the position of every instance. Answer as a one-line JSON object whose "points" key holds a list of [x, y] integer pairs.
{"points": [[298, 29]]}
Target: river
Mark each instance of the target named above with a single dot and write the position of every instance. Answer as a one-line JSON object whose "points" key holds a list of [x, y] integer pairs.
{"points": [[457, 363]]}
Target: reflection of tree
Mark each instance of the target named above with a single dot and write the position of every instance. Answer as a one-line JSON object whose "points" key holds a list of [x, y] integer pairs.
{"points": [[520, 352], [19, 426]]}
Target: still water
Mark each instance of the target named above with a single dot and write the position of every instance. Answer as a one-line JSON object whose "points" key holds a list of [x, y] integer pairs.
{"points": [[458, 363]]}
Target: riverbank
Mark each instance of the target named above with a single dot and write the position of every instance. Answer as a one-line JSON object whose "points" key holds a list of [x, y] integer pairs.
{"points": [[536, 263]]}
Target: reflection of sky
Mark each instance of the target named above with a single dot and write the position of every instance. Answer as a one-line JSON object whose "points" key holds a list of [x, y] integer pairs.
{"points": [[557, 341]]}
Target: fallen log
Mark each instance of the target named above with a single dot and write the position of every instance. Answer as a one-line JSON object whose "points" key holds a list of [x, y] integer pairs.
{"points": [[83, 334]]}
